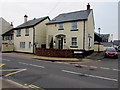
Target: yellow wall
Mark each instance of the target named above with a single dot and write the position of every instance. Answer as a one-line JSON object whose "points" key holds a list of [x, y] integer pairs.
{"points": [[101, 47], [7, 47], [8, 41]]}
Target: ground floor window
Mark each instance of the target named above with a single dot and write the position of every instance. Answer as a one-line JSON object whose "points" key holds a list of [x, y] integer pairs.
{"points": [[89, 42], [22, 44], [74, 42], [29, 45]]}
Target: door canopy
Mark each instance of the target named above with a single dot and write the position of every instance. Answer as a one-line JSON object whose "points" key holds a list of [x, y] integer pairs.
{"points": [[60, 36]]}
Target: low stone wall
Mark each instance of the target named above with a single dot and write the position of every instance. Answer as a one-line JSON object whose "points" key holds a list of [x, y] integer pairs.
{"points": [[101, 47], [65, 53]]}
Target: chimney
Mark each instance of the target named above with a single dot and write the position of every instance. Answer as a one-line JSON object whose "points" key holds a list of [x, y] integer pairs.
{"points": [[11, 24], [25, 18], [88, 6]]}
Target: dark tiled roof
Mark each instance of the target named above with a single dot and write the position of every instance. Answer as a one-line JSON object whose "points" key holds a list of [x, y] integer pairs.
{"points": [[116, 42], [107, 44], [31, 23], [104, 37], [8, 32], [97, 38], [72, 16]]}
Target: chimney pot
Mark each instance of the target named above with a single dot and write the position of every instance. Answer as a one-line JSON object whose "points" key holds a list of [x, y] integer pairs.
{"points": [[88, 6], [25, 18], [11, 24]]}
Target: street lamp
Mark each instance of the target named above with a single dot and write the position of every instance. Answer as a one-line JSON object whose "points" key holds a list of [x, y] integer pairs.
{"points": [[99, 40]]}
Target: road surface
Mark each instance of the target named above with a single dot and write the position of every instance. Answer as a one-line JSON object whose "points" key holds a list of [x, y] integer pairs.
{"points": [[43, 74]]}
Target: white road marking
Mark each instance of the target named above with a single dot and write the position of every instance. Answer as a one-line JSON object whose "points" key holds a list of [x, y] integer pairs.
{"points": [[31, 64], [104, 68], [93, 67], [84, 65], [98, 67], [23, 63], [37, 66], [115, 70], [5, 60], [94, 76]]}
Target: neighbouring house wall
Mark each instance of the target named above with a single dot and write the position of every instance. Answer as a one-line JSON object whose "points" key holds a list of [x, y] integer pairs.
{"points": [[52, 30], [7, 47], [25, 39], [90, 31], [40, 33], [4, 27]]}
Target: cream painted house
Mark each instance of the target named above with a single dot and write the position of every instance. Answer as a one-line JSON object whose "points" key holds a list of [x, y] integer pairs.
{"points": [[74, 30], [30, 34]]}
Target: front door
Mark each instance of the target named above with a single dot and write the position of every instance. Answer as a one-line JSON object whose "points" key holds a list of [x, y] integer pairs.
{"points": [[60, 43]]}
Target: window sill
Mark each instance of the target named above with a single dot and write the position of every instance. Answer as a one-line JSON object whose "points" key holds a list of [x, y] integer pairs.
{"points": [[74, 30], [26, 35], [73, 46], [60, 29], [18, 35]]}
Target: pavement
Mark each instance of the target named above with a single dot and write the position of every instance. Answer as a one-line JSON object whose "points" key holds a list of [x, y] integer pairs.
{"points": [[94, 56], [11, 84], [7, 84]]}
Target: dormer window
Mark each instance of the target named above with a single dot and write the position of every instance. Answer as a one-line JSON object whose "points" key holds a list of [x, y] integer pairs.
{"points": [[74, 26], [18, 33], [27, 32], [61, 27]]}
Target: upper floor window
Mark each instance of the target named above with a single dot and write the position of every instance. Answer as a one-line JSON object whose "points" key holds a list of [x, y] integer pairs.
{"points": [[61, 26], [74, 26], [27, 32], [10, 37], [18, 33]]}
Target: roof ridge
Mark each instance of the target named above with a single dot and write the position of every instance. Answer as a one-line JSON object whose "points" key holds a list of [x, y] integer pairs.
{"points": [[31, 22], [75, 11], [36, 19]]}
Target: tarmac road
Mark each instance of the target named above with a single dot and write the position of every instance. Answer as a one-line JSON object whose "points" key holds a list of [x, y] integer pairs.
{"points": [[34, 73]]}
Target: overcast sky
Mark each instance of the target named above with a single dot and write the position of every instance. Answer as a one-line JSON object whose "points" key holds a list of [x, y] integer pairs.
{"points": [[105, 11]]}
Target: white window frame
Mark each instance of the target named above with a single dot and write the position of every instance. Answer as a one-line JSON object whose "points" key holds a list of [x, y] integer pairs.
{"points": [[27, 32], [74, 41], [74, 26], [29, 45], [89, 41], [18, 32], [61, 26], [22, 44]]}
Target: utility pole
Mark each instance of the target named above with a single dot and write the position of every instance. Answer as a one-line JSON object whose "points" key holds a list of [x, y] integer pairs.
{"points": [[99, 40]]}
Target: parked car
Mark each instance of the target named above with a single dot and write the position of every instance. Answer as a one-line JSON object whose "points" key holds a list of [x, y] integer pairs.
{"points": [[119, 49], [111, 52]]}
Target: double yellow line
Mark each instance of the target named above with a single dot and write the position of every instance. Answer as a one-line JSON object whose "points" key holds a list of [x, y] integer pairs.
{"points": [[34, 87], [17, 71], [1, 65]]}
